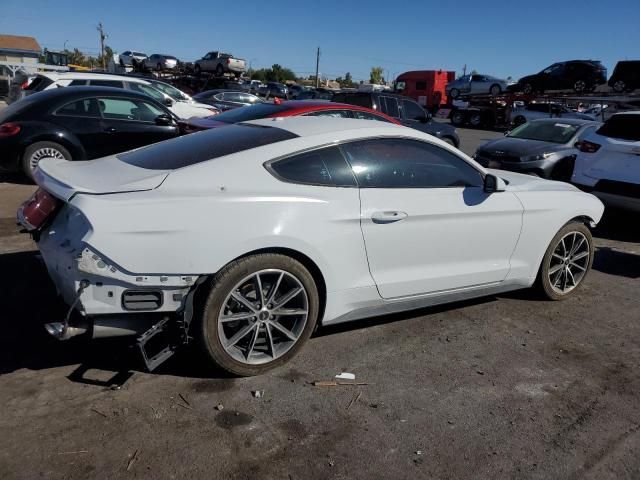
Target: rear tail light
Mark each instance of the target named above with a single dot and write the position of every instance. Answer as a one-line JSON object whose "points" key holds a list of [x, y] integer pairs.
{"points": [[9, 129], [228, 61], [24, 85], [33, 213], [588, 147]]}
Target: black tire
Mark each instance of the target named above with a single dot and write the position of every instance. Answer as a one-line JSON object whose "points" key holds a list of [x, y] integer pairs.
{"points": [[458, 118], [475, 120], [495, 90], [197, 70], [581, 86], [26, 161], [454, 93], [219, 70], [619, 86], [543, 282], [519, 120], [206, 326]]}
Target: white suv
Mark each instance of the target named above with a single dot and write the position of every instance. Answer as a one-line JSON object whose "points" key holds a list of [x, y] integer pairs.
{"points": [[608, 164], [183, 108]]}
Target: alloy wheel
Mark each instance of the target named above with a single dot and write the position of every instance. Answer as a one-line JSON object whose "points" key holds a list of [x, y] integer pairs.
{"points": [[619, 86], [263, 316], [569, 262], [46, 152], [580, 86]]}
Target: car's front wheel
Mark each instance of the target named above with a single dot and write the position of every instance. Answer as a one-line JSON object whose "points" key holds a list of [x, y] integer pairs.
{"points": [[39, 150], [260, 311], [454, 93], [619, 86], [495, 90], [566, 262]]}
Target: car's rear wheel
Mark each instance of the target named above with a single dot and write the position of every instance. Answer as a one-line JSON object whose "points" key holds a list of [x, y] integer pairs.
{"points": [[619, 86], [39, 150], [475, 119], [495, 90], [457, 118], [566, 262], [454, 93], [260, 311]]}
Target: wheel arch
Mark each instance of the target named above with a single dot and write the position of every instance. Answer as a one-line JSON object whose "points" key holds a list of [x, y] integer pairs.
{"points": [[74, 147]]}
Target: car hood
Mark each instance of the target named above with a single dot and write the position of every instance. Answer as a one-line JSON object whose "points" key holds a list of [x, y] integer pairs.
{"points": [[518, 182], [519, 147], [64, 179]]}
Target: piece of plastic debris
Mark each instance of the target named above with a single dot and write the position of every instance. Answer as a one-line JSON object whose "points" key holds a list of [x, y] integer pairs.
{"points": [[258, 393], [346, 376], [219, 407], [335, 384], [418, 452]]}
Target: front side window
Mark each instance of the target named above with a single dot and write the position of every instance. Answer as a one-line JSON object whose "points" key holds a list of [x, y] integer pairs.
{"points": [[412, 111], [362, 115], [325, 166], [405, 163], [125, 109], [622, 126], [421, 85], [87, 107], [390, 106]]}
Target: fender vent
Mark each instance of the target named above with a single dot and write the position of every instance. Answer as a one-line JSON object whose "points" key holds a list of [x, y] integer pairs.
{"points": [[141, 300]]}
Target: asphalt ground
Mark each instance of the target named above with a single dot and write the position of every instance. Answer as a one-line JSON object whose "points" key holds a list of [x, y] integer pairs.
{"points": [[507, 386]]}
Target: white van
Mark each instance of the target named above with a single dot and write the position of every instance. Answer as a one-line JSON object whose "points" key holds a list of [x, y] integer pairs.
{"points": [[180, 103]]}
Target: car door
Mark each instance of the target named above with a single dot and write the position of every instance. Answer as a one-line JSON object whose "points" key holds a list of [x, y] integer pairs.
{"points": [[82, 118], [478, 84], [427, 223], [131, 123]]}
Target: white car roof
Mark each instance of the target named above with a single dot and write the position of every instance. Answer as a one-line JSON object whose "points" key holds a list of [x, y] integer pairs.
{"points": [[55, 76]]}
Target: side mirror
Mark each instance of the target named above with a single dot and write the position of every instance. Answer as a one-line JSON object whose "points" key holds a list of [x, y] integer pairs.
{"points": [[164, 120], [493, 184]]}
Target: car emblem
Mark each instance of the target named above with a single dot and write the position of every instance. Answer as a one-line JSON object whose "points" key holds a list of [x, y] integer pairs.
{"points": [[499, 152]]}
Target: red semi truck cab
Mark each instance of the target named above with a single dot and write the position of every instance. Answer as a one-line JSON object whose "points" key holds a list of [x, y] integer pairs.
{"points": [[427, 87]]}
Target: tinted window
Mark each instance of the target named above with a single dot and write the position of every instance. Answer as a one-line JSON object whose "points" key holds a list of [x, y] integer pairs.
{"points": [[319, 167], [147, 90], [368, 116], [412, 111], [251, 112], [233, 97], [329, 113], [625, 127], [80, 108], [106, 83], [353, 99], [401, 163], [75, 83], [39, 83], [421, 85], [389, 105], [125, 109], [200, 147]]}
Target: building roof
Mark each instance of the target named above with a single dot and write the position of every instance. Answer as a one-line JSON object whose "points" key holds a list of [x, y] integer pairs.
{"points": [[19, 43]]}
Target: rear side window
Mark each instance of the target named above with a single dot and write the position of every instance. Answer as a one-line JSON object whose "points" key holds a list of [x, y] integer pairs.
{"points": [[87, 107], [200, 147], [75, 83], [353, 99], [106, 83], [329, 113], [359, 114], [39, 83], [622, 126], [389, 105], [325, 166]]}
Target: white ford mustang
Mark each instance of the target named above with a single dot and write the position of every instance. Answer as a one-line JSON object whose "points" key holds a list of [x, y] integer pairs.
{"points": [[245, 238]]}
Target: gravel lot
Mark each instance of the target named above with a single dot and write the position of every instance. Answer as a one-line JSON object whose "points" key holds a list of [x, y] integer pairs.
{"points": [[502, 387]]}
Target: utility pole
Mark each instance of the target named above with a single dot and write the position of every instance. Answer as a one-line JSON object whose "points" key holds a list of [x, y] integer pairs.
{"points": [[464, 70], [317, 68], [102, 37]]}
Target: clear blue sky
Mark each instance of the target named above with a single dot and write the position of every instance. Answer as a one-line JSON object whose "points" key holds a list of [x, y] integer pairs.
{"points": [[501, 38]]}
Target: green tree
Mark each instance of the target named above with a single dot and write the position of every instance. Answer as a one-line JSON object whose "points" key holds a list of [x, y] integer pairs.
{"points": [[376, 75], [348, 81], [75, 57]]}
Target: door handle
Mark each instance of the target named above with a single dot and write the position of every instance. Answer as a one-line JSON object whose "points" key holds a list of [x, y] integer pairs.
{"points": [[388, 217], [110, 130]]}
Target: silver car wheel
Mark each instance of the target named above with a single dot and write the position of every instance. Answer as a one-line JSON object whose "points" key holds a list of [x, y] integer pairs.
{"points": [[569, 262], [263, 316], [46, 152]]}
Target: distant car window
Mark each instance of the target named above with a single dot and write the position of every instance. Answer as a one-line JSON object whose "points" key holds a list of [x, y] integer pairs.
{"points": [[413, 111], [403, 163], [87, 107], [138, 54], [147, 90], [170, 90], [127, 53], [354, 99], [622, 126], [329, 113], [39, 83], [106, 83], [421, 85], [359, 114], [233, 97], [75, 83], [125, 109], [545, 131], [325, 166], [208, 145], [390, 106]]}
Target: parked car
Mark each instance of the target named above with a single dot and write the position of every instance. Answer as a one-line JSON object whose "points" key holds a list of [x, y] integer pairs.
{"points": [[220, 63], [579, 75], [534, 110], [608, 163], [160, 62], [544, 148], [296, 90], [183, 109], [252, 86], [475, 84], [223, 99], [131, 57], [274, 89], [405, 110], [285, 109], [316, 94], [78, 124], [626, 76], [618, 105], [324, 221]]}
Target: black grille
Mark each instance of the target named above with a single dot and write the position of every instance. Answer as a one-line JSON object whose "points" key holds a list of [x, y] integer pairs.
{"points": [[624, 189], [497, 157], [141, 300]]}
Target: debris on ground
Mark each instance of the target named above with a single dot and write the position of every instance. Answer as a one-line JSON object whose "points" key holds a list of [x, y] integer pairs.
{"points": [[74, 452], [132, 460], [346, 376], [480, 372], [219, 407], [418, 452], [184, 399], [354, 400], [257, 393], [95, 410], [335, 384]]}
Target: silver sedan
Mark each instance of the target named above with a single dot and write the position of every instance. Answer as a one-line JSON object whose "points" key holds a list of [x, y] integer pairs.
{"points": [[475, 84]]}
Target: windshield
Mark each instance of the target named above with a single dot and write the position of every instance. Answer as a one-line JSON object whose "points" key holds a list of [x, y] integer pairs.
{"points": [[172, 91], [251, 112], [554, 132], [148, 90]]}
